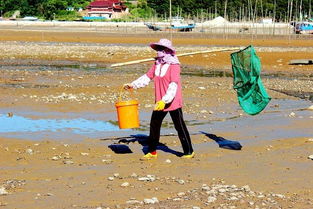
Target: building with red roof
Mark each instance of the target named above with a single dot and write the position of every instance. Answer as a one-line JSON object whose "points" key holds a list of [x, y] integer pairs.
{"points": [[107, 8]]}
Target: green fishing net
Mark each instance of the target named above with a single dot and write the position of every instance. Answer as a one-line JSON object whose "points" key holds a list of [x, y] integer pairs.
{"points": [[246, 66]]}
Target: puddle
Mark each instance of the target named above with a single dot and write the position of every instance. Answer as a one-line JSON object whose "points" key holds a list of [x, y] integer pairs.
{"points": [[24, 127], [299, 94], [78, 126], [23, 85], [33, 125], [273, 123]]}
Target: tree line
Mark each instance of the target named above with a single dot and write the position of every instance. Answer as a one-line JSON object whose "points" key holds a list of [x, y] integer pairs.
{"points": [[46, 9], [280, 10]]}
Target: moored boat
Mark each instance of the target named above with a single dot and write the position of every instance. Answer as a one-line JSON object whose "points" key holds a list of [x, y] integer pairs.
{"points": [[304, 28], [177, 24]]}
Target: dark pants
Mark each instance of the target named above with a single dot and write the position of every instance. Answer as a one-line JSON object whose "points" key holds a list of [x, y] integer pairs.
{"points": [[180, 126]]}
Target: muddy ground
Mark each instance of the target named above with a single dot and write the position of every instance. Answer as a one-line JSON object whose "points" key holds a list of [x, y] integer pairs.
{"points": [[56, 74]]}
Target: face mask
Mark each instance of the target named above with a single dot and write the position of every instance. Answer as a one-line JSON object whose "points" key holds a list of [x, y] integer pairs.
{"points": [[161, 54]]}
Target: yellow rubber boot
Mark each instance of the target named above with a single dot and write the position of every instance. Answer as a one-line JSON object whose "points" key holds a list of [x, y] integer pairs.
{"points": [[149, 156], [192, 155]]}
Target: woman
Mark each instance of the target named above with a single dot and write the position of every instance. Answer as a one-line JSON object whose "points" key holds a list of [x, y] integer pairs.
{"points": [[168, 96]]}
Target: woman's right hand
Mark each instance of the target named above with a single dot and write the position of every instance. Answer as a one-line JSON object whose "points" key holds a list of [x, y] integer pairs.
{"points": [[127, 86]]}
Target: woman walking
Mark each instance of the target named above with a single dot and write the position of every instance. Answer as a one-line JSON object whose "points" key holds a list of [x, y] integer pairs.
{"points": [[168, 97]]}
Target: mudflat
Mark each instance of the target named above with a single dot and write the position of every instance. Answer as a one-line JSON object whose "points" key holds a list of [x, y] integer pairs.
{"points": [[63, 75]]}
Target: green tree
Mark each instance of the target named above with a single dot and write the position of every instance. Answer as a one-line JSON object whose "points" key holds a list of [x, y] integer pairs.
{"points": [[146, 8], [161, 7], [78, 3], [53, 7], [142, 10], [1, 7], [13, 5], [34, 8]]}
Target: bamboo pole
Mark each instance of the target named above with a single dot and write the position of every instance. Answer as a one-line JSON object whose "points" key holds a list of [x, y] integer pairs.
{"points": [[179, 55], [171, 31], [132, 62], [310, 9]]}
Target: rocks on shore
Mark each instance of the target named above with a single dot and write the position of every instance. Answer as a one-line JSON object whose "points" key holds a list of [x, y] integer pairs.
{"points": [[3, 191], [219, 195], [150, 178], [10, 185], [153, 200]]}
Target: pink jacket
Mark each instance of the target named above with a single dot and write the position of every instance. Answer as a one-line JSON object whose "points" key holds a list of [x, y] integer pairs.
{"points": [[163, 75]]}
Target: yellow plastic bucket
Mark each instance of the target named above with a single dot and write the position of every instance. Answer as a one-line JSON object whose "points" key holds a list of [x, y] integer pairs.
{"points": [[127, 113]]}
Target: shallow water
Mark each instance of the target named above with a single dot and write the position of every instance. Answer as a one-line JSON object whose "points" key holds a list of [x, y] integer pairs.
{"points": [[273, 123], [79, 125], [32, 125], [23, 127]]}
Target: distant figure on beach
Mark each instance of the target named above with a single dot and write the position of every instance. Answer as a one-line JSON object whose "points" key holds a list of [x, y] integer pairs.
{"points": [[168, 97]]}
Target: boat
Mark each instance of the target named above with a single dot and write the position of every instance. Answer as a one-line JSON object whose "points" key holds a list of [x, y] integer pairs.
{"points": [[183, 28], [177, 24], [30, 18], [90, 18], [304, 28], [153, 27]]}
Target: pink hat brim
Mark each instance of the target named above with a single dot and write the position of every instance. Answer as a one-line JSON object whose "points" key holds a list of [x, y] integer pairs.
{"points": [[156, 45]]}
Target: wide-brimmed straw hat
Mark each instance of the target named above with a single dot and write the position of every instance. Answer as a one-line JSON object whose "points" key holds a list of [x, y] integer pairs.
{"points": [[163, 43]]}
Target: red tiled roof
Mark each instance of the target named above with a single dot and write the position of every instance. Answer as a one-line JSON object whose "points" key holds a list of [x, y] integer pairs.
{"points": [[106, 4], [103, 3]]}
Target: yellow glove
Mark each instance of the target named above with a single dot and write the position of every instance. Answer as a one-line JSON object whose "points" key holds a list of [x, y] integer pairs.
{"points": [[159, 106]]}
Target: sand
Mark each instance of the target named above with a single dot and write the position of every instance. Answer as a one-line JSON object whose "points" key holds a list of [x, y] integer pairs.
{"points": [[272, 170]]}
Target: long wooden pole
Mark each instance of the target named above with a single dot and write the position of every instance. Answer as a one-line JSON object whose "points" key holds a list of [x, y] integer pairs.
{"points": [[171, 32], [225, 10], [179, 55], [310, 9]]}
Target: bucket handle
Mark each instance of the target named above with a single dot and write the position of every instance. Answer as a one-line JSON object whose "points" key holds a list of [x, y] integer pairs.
{"points": [[121, 92]]}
